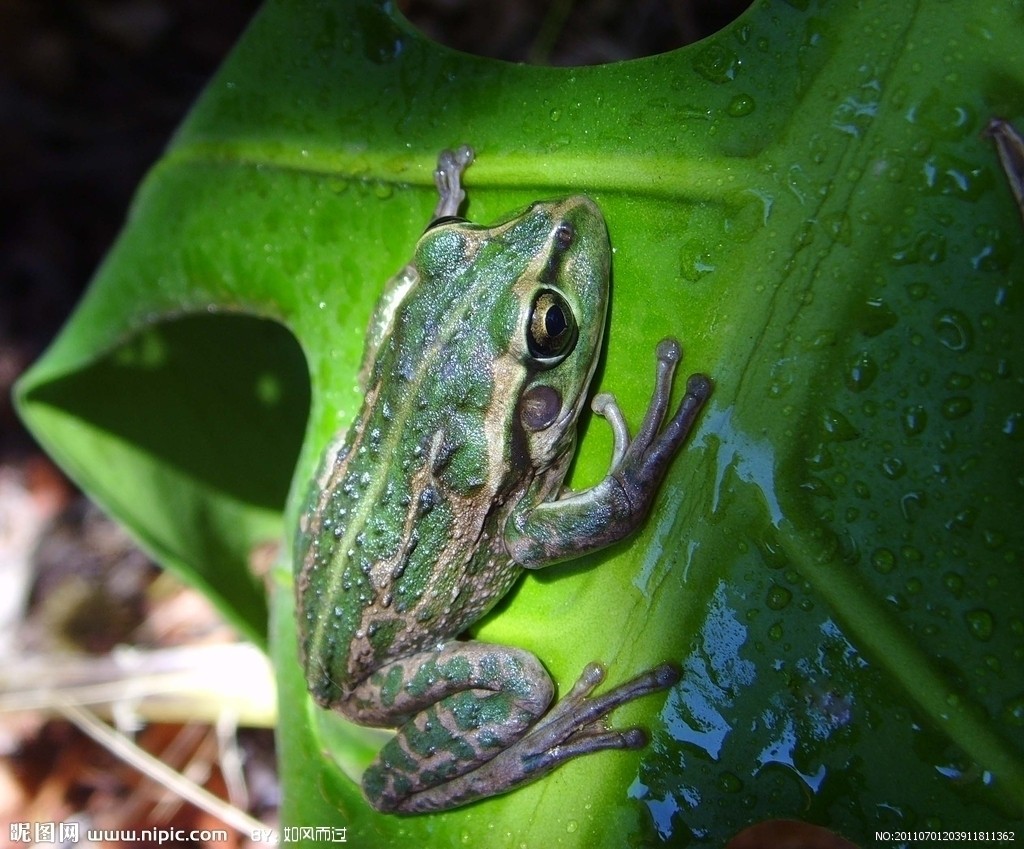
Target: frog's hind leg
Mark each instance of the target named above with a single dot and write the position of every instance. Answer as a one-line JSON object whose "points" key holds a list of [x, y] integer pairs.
{"points": [[457, 706], [574, 727]]}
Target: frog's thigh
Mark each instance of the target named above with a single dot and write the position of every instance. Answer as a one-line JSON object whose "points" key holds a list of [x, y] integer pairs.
{"points": [[457, 707]]}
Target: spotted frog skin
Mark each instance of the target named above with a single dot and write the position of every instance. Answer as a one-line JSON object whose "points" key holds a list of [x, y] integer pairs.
{"points": [[449, 484]]}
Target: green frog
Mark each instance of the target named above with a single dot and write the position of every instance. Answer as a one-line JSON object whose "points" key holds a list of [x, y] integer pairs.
{"points": [[450, 483]]}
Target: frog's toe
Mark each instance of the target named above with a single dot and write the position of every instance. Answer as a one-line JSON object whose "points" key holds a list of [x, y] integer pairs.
{"points": [[635, 738], [666, 675], [699, 386]]}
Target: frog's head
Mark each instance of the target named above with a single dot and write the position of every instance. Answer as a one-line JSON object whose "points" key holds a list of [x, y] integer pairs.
{"points": [[562, 300], [517, 310]]}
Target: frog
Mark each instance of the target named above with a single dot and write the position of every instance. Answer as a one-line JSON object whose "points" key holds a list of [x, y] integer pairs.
{"points": [[450, 484]]}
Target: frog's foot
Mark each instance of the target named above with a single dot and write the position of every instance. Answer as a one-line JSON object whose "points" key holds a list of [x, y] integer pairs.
{"points": [[639, 464], [448, 178], [574, 727]]}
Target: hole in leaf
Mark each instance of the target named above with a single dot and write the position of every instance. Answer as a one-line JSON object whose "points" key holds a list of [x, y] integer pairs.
{"points": [[569, 32], [222, 399]]}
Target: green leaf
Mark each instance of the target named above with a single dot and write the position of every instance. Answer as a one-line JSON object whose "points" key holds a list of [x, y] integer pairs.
{"points": [[806, 200]]}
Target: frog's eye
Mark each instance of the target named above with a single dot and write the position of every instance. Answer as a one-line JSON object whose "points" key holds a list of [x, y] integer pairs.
{"points": [[552, 331], [445, 219]]}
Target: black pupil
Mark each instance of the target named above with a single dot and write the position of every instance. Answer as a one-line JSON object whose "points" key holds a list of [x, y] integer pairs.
{"points": [[554, 321]]}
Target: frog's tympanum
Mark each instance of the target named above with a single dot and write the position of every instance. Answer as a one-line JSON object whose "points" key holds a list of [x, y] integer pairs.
{"points": [[449, 484]]}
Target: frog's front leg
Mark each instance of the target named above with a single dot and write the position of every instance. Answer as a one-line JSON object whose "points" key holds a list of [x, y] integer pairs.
{"points": [[541, 534], [472, 723], [451, 164]]}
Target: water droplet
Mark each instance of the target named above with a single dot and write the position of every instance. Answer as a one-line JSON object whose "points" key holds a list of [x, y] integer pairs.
{"points": [[695, 259], [337, 184], [963, 520], [893, 468], [927, 246], [820, 459], [801, 239], [853, 115], [1012, 426], [914, 420], [817, 488], [861, 373], [912, 503], [883, 560], [741, 105], [956, 407], [837, 427], [954, 330], [898, 601], [942, 118], [917, 290], [383, 42], [729, 782], [778, 597], [948, 175], [997, 250], [717, 63], [818, 147], [895, 167], [957, 382], [980, 624], [1013, 710], [954, 582]]}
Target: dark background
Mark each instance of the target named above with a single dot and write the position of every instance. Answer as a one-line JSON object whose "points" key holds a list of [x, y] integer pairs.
{"points": [[90, 92]]}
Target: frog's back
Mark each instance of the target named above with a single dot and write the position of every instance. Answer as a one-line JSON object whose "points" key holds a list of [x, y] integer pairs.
{"points": [[407, 543]]}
